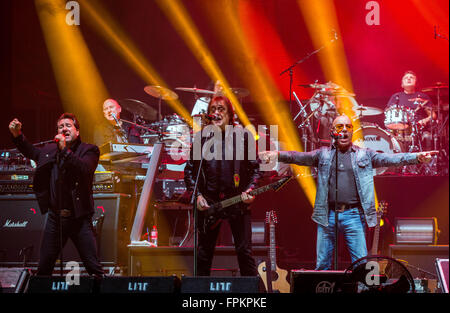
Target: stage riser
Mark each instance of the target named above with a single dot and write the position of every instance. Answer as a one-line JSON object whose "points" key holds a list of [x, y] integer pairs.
{"points": [[167, 261]]}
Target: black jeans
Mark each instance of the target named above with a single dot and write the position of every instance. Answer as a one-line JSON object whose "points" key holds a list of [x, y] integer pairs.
{"points": [[80, 231], [240, 225]]}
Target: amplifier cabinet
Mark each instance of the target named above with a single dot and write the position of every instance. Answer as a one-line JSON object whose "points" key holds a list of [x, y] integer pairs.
{"points": [[22, 224]]}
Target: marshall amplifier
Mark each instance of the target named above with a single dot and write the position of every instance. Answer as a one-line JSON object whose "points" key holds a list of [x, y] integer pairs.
{"points": [[140, 285], [221, 285], [307, 281], [21, 226], [59, 285]]}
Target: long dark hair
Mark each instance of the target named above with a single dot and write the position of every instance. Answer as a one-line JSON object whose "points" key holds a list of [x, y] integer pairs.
{"points": [[228, 104]]}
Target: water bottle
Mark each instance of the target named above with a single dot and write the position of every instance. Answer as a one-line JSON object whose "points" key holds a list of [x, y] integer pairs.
{"points": [[154, 236]]}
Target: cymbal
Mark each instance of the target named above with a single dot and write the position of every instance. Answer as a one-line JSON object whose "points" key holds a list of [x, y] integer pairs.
{"points": [[367, 111], [341, 93], [196, 90], [139, 108], [437, 85], [315, 85], [161, 92], [240, 92]]}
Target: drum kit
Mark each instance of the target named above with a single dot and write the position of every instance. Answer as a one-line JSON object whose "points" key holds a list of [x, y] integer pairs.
{"points": [[171, 129], [402, 132]]}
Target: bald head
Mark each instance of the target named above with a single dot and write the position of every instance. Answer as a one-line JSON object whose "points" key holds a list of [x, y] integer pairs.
{"points": [[343, 125], [342, 119], [111, 106]]}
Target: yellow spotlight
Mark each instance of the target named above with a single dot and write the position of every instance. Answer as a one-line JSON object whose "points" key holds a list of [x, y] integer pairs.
{"points": [[79, 83], [118, 39], [186, 28]]}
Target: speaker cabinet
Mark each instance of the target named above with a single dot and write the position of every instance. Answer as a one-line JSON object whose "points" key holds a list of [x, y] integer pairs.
{"points": [[311, 282], [21, 226]]}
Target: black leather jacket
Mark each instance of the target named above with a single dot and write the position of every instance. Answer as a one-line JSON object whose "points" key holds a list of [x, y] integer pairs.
{"points": [[80, 162], [217, 177]]}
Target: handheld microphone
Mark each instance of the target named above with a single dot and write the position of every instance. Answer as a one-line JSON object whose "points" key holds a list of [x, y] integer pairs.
{"points": [[336, 135], [212, 117], [115, 118]]}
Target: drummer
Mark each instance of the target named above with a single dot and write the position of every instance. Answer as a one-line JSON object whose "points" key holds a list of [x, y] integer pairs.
{"points": [[201, 105], [416, 101], [112, 130]]}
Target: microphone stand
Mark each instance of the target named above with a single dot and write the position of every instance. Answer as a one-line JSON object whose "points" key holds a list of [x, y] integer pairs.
{"points": [[59, 183], [290, 69], [336, 208], [194, 203]]}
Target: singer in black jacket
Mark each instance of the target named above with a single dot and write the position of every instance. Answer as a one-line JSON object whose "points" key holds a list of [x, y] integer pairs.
{"points": [[63, 187]]}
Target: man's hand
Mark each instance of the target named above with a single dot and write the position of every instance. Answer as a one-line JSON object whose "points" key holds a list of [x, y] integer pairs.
{"points": [[202, 204], [247, 197], [15, 127], [268, 156], [61, 141], [426, 156]]}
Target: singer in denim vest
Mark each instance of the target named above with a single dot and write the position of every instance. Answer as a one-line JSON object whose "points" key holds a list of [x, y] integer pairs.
{"points": [[352, 215]]}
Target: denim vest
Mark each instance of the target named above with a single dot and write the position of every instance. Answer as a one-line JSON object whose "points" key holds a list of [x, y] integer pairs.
{"points": [[363, 162]]}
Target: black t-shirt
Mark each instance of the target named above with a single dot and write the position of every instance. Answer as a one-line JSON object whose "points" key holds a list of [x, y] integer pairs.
{"points": [[406, 100], [347, 190]]}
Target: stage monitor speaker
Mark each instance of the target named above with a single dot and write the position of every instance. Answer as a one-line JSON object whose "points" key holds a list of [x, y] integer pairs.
{"points": [[58, 285], [442, 271], [22, 224], [221, 285], [159, 284], [13, 279], [312, 282], [419, 259]]}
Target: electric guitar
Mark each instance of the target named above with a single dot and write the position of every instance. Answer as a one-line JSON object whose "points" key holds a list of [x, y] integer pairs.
{"points": [[273, 277], [216, 211], [382, 209]]}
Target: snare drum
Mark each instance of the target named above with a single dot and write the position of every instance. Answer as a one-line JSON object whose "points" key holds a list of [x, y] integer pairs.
{"points": [[398, 117], [376, 138]]}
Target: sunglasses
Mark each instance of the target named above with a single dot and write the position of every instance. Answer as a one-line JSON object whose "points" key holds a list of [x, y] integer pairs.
{"points": [[340, 127]]}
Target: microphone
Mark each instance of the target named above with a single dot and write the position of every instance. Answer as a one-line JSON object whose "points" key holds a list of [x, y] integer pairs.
{"points": [[336, 135], [115, 118], [435, 33], [212, 117]]}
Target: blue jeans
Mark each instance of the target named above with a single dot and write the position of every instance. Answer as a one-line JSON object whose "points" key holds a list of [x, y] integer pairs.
{"points": [[352, 223]]}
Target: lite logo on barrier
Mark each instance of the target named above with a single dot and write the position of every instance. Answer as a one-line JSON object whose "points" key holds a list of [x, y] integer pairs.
{"points": [[137, 286], [220, 286], [73, 17]]}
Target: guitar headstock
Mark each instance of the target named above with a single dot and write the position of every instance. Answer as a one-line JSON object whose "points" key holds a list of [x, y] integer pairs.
{"points": [[271, 217], [277, 186]]}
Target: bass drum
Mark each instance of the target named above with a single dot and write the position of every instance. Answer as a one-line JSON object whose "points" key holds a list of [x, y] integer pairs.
{"points": [[373, 137]]}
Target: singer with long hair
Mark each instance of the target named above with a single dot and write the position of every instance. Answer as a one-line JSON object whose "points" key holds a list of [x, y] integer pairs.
{"points": [[355, 191], [63, 187]]}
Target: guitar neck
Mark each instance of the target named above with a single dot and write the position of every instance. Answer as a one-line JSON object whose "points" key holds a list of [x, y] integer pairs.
{"points": [[237, 199], [272, 248]]}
